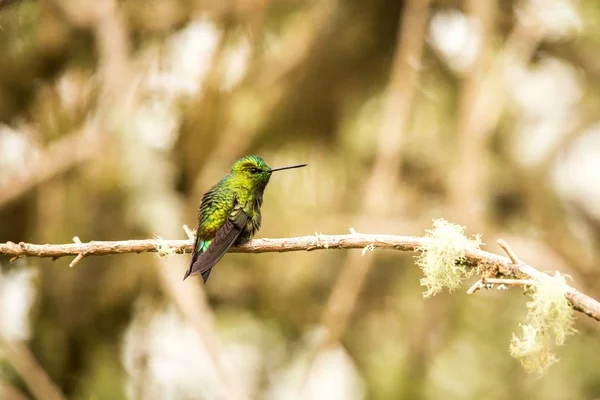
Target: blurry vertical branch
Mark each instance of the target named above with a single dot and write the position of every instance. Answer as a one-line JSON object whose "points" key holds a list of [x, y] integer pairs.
{"points": [[8, 392], [76, 148], [380, 187], [483, 99], [119, 96], [119, 99], [476, 99], [6, 3], [59, 157], [268, 74], [24, 362], [544, 207]]}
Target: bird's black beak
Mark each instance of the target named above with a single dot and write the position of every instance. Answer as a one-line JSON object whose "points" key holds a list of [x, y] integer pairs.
{"points": [[290, 167]]}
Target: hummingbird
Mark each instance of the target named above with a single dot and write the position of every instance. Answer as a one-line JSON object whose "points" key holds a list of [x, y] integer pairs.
{"points": [[229, 213]]}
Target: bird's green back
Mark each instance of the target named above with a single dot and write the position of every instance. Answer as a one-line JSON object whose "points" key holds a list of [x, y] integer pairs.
{"points": [[242, 186]]}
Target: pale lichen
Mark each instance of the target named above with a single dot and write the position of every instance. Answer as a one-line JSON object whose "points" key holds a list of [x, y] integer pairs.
{"points": [[442, 257], [367, 248], [532, 349], [162, 249], [549, 320], [318, 243]]}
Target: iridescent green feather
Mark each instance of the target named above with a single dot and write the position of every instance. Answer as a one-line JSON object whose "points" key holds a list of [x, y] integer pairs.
{"points": [[202, 245]]}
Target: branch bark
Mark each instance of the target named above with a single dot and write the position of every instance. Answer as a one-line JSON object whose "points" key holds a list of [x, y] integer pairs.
{"points": [[506, 267], [302, 243]]}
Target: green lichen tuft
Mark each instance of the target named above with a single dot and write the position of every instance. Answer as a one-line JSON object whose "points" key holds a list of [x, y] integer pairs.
{"points": [[549, 320], [442, 257]]}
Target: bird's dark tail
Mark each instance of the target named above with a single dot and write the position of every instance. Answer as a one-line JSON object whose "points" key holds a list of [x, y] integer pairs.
{"points": [[189, 271], [208, 252], [199, 247], [205, 275]]}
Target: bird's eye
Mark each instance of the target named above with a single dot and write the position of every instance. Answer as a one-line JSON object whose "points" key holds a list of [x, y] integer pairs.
{"points": [[254, 170]]}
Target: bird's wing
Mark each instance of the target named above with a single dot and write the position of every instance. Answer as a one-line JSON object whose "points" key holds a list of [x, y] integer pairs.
{"points": [[224, 239], [199, 247]]}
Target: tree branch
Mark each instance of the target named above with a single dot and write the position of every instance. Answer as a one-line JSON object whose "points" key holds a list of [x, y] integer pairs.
{"points": [[504, 265], [302, 243]]}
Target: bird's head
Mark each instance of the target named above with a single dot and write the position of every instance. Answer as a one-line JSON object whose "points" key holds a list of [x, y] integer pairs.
{"points": [[254, 171]]}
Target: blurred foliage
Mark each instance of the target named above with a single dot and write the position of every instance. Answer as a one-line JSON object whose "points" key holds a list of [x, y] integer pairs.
{"points": [[194, 84]]}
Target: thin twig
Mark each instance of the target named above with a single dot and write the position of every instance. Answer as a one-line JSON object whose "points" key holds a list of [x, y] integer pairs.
{"points": [[488, 283], [509, 252], [476, 286], [79, 256], [504, 265], [579, 301], [189, 233], [509, 282]]}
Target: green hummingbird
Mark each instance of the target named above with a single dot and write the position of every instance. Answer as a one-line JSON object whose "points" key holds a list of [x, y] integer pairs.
{"points": [[229, 213]]}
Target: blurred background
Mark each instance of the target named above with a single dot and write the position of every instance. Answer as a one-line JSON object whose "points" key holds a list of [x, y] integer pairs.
{"points": [[116, 116]]}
